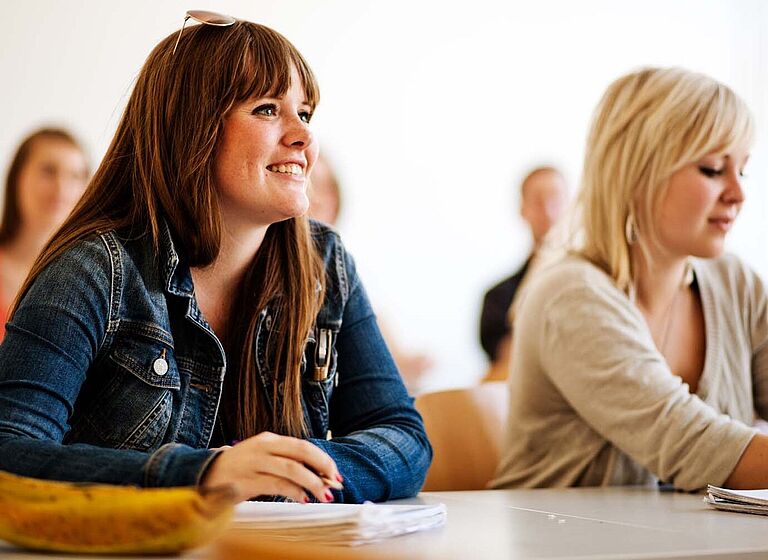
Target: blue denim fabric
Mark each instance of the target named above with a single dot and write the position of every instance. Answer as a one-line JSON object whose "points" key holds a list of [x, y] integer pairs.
{"points": [[82, 398]]}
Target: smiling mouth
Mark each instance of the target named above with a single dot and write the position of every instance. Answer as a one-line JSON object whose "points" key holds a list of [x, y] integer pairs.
{"points": [[287, 168]]}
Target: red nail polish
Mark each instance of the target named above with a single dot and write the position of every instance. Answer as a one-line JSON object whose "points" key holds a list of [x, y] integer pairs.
{"points": [[306, 499], [329, 496], [339, 477]]}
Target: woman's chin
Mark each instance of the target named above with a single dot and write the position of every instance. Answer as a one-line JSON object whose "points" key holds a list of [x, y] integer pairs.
{"points": [[709, 252], [293, 211]]}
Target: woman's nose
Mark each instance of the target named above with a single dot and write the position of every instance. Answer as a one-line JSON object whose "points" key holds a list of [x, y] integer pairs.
{"points": [[298, 133], [734, 191]]}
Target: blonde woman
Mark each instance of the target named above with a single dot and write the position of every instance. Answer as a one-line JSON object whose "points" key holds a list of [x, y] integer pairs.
{"points": [[643, 354]]}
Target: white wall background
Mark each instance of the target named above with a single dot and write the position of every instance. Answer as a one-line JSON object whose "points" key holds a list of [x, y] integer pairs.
{"points": [[431, 110]]}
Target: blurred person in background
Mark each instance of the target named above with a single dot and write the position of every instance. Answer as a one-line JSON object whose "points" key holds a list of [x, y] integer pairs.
{"points": [[324, 193], [325, 205], [47, 176], [543, 194]]}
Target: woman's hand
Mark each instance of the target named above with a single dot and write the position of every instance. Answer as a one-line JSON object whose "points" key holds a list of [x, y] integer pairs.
{"points": [[271, 464]]}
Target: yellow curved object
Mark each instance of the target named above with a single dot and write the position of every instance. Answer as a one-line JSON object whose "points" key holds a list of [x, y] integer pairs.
{"points": [[100, 518]]}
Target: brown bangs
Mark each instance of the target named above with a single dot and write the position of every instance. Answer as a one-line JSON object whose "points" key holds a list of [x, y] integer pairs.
{"points": [[266, 70]]}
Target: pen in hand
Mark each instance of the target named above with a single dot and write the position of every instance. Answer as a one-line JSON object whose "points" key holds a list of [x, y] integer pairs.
{"points": [[331, 483], [335, 484]]}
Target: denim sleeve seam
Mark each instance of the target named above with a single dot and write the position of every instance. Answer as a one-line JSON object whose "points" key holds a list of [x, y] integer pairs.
{"points": [[45, 341]]}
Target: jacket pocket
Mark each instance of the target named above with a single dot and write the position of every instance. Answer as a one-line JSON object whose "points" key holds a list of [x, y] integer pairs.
{"points": [[151, 362], [132, 401]]}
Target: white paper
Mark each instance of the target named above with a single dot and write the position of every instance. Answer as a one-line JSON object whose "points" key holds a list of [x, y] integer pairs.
{"points": [[339, 524], [742, 501]]}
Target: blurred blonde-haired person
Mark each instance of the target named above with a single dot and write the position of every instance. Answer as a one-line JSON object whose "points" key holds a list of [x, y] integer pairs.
{"points": [[642, 355]]}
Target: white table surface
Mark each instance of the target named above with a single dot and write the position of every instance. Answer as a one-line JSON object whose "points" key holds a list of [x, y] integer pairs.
{"points": [[577, 523]]}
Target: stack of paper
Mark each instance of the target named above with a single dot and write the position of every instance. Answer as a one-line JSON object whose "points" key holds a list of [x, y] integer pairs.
{"points": [[336, 524], [743, 501]]}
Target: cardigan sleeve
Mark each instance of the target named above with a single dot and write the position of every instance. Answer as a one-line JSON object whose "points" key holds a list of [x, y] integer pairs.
{"points": [[758, 333], [597, 351]]}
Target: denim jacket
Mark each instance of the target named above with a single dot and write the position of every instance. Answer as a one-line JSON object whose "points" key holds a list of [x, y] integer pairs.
{"points": [[110, 373]]}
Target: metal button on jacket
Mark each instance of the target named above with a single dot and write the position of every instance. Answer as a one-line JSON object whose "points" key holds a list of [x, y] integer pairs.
{"points": [[160, 365]]}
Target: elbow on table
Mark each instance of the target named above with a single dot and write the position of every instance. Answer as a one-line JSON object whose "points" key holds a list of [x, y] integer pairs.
{"points": [[419, 461]]}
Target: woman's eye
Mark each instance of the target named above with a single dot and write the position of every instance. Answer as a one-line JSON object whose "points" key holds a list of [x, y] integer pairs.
{"points": [[268, 110], [305, 116], [710, 171]]}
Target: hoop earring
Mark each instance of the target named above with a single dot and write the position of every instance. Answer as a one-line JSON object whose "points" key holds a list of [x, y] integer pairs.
{"points": [[630, 232]]}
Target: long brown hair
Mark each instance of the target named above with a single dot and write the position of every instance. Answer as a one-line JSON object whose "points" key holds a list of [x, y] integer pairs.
{"points": [[160, 165], [10, 222]]}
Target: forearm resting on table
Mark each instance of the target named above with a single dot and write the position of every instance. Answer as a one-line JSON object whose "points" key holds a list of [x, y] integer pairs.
{"points": [[752, 469]]}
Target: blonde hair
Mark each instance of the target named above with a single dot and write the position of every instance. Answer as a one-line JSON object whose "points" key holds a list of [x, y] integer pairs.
{"points": [[648, 125]]}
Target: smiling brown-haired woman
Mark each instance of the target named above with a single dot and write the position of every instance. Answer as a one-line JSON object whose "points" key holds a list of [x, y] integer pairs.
{"points": [[187, 303]]}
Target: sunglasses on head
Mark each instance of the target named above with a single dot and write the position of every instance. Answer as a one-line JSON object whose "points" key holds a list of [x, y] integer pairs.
{"points": [[207, 18]]}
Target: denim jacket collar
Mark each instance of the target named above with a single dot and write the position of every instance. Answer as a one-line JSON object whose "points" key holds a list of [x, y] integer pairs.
{"points": [[178, 279]]}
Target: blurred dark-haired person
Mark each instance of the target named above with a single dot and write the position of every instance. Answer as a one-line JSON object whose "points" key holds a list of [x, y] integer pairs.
{"points": [[325, 204], [543, 195]]}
